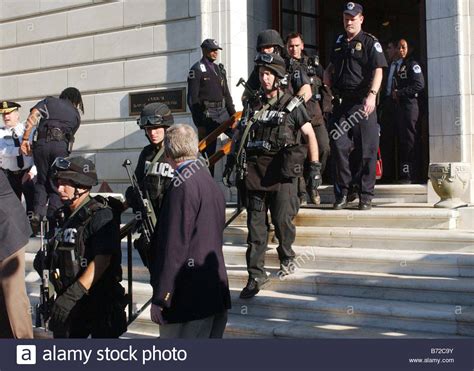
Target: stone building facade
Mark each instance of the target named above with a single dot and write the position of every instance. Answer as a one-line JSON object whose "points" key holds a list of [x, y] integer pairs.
{"points": [[109, 49]]}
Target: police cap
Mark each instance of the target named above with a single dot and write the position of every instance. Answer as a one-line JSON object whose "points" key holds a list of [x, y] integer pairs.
{"points": [[155, 115], [7, 107], [353, 9], [77, 170], [210, 44], [273, 62]]}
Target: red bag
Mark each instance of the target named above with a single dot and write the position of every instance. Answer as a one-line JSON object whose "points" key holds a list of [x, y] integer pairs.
{"points": [[378, 166]]}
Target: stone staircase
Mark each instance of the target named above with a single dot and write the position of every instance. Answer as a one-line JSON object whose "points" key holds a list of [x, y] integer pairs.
{"points": [[401, 270]]}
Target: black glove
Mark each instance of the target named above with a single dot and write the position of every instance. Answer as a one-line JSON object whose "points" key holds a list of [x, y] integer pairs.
{"points": [[64, 304], [314, 178], [40, 262]]}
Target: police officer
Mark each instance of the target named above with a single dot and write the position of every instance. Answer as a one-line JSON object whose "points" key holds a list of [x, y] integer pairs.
{"points": [[209, 97], [57, 119], [296, 80], [153, 173], [18, 168], [274, 160], [409, 83], [86, 258], [319, 103], [355, 74], [388, 113]]}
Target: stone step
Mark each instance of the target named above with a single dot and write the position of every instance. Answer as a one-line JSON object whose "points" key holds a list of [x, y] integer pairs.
{"points": [[245, 326], [439, 290], [386, 193], [384, 314], [371, 238], [373, 314], [410, 216], [366, 260], [403, 287]]}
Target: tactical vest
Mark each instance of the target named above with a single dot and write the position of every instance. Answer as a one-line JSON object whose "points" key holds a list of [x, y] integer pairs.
{"points": [[273, 151], [272, 132], [69, 249], [156, 181]]}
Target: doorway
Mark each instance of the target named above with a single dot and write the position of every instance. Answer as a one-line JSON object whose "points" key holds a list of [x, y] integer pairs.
{"points": [[386, 19]]}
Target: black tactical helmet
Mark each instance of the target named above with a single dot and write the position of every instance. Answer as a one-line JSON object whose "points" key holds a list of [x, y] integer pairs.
{"points": [[273, 62], [77, 170], [155, 115], [268, 38]]}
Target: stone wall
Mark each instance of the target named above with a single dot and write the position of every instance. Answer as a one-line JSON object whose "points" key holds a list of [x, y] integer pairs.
{"points": [[107, 49], [450, 77]]}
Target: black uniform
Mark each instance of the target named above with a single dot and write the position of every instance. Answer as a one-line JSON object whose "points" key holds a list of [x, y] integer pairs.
{"points": [[387, 114], [354, 137], [268, 184], [90, 231], [319, 104], [292, 83], [157, 181], [209, 98], [60, 121], [409, 83]]}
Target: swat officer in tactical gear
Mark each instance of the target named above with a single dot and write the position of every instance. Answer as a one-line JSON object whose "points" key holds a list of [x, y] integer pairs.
{"points": [[295, 80], [270, 145], [408, 84], [152, 172], [85, 258], [355, 75], [319, 104], [209, 97]]}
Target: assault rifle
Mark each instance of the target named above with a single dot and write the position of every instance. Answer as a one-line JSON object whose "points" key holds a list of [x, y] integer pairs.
{"points": [[43, 308], [145, 213]]}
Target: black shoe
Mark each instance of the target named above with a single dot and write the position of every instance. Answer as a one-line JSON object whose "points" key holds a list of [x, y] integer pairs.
{"points": [[253, 287], [287, 266], [365, 205], [352, 196], [340, 203], [35, 222]]}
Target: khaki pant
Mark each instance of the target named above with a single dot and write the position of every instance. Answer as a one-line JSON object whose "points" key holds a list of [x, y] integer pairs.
{"points": [[15, 309]]}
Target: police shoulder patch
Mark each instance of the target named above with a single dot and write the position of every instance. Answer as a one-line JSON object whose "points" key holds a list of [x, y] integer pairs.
{"points": [[378, 47], [417, 68]]}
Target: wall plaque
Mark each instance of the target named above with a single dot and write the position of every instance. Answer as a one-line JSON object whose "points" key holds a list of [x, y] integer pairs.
{"points": [[175, 99]]}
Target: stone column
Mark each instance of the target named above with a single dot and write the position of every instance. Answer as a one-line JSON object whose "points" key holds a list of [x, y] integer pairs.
{"points": [[226, 21], [450, 75]]}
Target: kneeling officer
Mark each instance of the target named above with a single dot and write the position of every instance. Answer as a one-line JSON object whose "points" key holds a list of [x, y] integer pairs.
{"points": [[85, 264]]}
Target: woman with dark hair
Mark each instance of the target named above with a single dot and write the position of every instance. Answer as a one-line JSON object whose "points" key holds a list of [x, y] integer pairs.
{"points": [[57, 120]]}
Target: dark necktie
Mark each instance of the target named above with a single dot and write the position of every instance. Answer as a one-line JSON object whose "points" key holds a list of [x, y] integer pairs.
{"points": [[19, 159]]}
